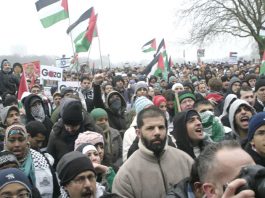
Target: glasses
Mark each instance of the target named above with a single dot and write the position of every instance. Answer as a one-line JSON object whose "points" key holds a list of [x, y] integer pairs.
{"points": [[19, 195]]}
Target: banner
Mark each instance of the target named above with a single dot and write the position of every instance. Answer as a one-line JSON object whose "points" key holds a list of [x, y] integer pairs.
{"points": [[32, 71], [232, 58], [51, 73], [73, 84]]}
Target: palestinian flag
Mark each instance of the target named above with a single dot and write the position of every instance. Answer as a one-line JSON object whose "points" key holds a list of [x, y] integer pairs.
{"points": [[23, 86], [83, 30], [161, 47], [149, 46], [52, 11], [262, 67], [156, 67]]}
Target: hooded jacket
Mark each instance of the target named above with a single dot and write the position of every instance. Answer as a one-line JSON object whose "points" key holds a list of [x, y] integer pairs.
{"points": [[47, 122], [231, 82], [180, 133], [235, 105], [116, 119], [8, 82]]}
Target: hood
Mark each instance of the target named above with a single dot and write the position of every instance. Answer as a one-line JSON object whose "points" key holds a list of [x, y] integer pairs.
{"points": [[2, 66], [5, 111], [232, 81], [180, 132], [26, 103], [232, 111], [227, 102], [123, 102]]}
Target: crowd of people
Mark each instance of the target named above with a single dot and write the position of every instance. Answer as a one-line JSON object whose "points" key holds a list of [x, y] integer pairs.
{"points": [[125, 133]]}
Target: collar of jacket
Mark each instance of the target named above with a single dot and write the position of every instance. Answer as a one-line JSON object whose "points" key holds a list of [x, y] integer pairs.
{"points": [[148, 152]]}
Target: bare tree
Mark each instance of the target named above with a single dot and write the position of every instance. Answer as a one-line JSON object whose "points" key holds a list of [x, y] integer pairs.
{"points": [[212, 18]]}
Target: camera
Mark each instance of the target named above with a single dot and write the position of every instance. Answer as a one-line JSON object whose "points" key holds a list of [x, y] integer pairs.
{"points": [[255, 177]]}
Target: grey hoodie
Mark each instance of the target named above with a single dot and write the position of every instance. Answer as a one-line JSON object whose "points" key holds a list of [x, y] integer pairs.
{"points": [[235, 105]]}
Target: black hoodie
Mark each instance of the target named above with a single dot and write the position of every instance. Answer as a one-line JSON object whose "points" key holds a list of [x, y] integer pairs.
{"points": [[180, 133], [47, 122]]}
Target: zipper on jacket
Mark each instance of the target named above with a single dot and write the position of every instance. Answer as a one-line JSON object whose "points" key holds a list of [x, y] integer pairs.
{"points": [[163, 176]]}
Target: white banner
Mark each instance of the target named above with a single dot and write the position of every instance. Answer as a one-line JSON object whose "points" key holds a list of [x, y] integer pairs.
{"points": [[73, 84], [51, 73]]}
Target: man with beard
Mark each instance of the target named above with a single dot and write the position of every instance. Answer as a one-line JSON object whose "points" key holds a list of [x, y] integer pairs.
{"points": [[240, 113], [154, 167], [77, 176]]}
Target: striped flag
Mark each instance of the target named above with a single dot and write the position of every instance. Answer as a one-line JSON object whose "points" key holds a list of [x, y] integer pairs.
{"points": [[23, 86], [156, 67], [149, 46], [52, 11], [83, 30]]}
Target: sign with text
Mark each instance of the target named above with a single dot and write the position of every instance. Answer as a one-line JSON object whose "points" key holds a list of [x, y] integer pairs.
{"points": [[73, 84], [51, 73]]}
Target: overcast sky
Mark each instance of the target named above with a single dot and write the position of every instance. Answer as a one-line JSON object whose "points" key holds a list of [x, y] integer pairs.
{"points": [[123, 27]]}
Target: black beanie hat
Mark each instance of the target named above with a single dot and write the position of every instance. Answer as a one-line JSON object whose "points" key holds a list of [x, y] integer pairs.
{"points": [[71, 165], [72, 113], [260, 82], [34, 127]]}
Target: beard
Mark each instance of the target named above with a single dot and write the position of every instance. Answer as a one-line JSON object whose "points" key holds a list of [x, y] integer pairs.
{"points": [[157, 148]]}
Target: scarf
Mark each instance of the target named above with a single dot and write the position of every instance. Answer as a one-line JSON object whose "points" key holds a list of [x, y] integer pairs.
{"points": [[38, 113], [27, 167]]}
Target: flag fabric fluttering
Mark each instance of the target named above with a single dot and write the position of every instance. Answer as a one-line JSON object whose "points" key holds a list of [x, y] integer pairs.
{"points": [[149, 46], [23, 86], [161, 49], [156, 67], [170, 62], [83, 30], [52, 11], [262, 68]]}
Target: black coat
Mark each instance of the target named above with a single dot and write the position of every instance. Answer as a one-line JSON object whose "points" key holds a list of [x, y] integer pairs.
{"points": [[8, 83], [255, 156]]}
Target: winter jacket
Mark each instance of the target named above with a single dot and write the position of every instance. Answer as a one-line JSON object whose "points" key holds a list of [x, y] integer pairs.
{"points": [[116, 120], [114, 155], [128, 138], [259, 106], [47, 122], [180, 134], [9, 83], [62, 142], [180, 190], [145, 175], [255, 156]]}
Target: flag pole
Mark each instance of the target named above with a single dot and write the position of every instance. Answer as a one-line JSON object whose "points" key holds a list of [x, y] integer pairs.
{"points": [[100, 53], [71, 37]]}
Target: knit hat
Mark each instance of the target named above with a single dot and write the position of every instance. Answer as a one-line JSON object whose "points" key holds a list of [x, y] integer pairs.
{"points": [[34, 99], [172, 78], [66, 90], [139, 85], [88, 137], [188, 84], [260, 83], [177, 85], [255, 122], [14, 175], [85, 147], [98, 113], [141, 103], [157, 100], [186, 94], [116, 79], [5, 111], [234, 80], [212, 126], [72, 164], [7, 157], [71, 112]]}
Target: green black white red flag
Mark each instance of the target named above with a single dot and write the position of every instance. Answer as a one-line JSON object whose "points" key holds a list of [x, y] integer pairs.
{"points": [[52, 11], [149, 46], [83, 30]]}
